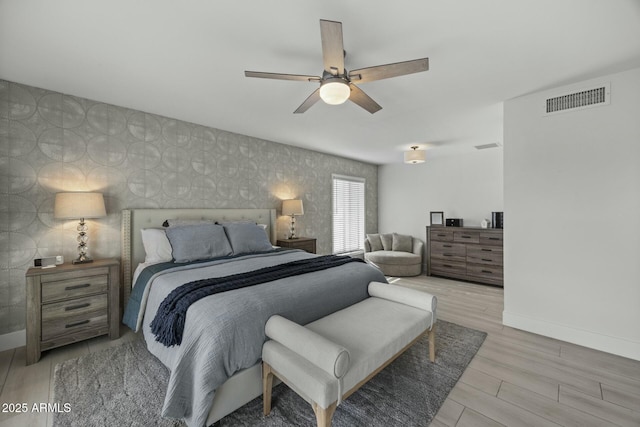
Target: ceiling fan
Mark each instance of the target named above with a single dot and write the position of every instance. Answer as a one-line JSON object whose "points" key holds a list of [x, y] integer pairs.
{"points": [[337, 84]]}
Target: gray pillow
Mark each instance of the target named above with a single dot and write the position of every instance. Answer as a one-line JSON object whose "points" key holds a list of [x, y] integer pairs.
{"points": [[198, 241], [374, 242], [387, 241], [247, 237], [402, 243]]}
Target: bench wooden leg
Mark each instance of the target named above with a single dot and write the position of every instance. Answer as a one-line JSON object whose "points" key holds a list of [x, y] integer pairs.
{"points": [[267, 385], [324, 416], [432, 343]]}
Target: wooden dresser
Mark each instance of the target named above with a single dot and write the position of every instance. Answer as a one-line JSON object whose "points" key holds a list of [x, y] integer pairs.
{"points": [[305, 243], [71, 302], [466, 253]]}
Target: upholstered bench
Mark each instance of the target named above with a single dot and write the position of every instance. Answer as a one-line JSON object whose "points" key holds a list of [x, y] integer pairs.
{"points": [[329, 359]]}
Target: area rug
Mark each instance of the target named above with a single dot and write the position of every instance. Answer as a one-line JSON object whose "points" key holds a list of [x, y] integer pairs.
{"points": [[125, 386]]}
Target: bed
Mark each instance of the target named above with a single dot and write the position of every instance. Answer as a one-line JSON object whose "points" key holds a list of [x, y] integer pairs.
{"points": [[215, 370]]}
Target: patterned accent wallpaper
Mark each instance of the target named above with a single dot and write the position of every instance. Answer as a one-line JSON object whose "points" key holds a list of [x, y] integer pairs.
{"points": [[51, 142]]}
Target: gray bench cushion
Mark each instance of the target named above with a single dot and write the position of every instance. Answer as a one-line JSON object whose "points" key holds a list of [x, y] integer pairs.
{"points": [[373, 331]]}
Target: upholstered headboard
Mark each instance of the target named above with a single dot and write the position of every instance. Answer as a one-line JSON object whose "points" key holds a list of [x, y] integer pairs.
{"points": [[134, 220]]}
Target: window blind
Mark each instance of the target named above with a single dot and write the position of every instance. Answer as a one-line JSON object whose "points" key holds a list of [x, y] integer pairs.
{"points": [[348, 213]]}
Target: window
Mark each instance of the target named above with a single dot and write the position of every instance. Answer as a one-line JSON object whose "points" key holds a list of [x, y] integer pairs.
{"points": [[348, 213]]}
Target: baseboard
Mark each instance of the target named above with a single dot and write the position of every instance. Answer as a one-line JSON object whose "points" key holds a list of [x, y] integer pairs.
{"points": [[609, 344], [13, 340]]}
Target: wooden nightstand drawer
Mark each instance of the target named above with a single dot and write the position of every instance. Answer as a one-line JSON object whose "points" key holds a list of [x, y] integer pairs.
{"points": [[67, 317], [304, 243], [72, 288]]}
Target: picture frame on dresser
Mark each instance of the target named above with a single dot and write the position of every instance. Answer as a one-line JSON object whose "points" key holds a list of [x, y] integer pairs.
{"points": [[436, 219]]}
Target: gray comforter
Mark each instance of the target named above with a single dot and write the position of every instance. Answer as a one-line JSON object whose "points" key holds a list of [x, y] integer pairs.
{"points": [[224, 332]]}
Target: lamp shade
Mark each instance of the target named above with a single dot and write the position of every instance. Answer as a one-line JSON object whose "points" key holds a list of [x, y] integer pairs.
{"points": [[79, 205], [414, 156], [335, 91], [292, 207]]}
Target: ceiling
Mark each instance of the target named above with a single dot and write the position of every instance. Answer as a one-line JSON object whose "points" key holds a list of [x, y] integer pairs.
{"points": [[186, 60]]}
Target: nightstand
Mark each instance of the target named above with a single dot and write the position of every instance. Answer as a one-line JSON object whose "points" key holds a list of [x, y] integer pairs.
{"points": [[70, 303], [305, 243]]}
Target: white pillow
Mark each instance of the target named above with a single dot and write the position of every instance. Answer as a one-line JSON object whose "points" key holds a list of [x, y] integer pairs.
{"points": [[156, 246]]}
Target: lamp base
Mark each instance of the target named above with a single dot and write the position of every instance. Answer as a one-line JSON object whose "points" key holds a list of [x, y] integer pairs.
{"points": [[85, 260]]}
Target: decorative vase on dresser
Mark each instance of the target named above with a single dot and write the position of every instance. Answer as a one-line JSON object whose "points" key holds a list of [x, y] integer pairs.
{"points": [[70, 303], [466, 253]]}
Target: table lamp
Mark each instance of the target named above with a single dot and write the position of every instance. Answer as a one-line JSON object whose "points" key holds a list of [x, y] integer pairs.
{"points": [[292, 208], [80, 206]]}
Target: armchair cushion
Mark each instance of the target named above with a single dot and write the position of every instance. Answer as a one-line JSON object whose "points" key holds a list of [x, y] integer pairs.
{"points": [[387, 241], [401, 243], [374, 242]]}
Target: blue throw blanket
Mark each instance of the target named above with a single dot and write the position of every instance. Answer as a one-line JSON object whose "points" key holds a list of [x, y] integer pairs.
{"points": [[168, 324]]}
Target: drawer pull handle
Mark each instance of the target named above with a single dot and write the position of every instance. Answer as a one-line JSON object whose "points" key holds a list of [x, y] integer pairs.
{"points": [[447, 254], [71, 325], [466, 237], [446, 246], [71, 288], [442, 235], [494, 238], [487, 271], [484, 259], [76, 307], [447, 265], [486, 250]]}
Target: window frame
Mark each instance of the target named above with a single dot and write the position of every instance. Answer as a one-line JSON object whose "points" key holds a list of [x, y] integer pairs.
{"points": [[360, 244]]}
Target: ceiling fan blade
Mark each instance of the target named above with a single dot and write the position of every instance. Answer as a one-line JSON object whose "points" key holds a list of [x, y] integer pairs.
{"points": [[279, 76], [312, 99], [363, 100], [332, 46], [380, 72]]}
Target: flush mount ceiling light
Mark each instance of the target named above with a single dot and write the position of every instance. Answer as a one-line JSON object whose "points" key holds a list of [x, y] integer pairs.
{"points": [[334, 91], [415, 156]]}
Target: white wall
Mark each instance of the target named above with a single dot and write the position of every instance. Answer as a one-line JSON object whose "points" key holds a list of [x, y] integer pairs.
{"points": [[466, 186], [572, 218]]}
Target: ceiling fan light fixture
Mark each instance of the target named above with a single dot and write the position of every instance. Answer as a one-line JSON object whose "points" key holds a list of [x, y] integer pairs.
{"points": [[415, 156], [334, 91]]}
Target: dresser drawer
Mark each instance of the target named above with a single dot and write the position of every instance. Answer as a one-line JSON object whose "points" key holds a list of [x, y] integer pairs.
{"points": [[79, 314], [490, 273], [448, 251], [440, 266], [72, 288], [441, 235], [466, 237], [494, 239], [484, 255]]}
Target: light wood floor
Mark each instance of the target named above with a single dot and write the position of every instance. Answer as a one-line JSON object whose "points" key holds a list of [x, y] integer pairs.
{"points": [[516, 379], [522, 379]]}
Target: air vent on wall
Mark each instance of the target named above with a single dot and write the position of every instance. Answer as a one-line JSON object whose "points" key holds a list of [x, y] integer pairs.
{"points": [[588, 98]]}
